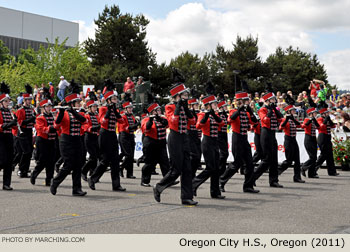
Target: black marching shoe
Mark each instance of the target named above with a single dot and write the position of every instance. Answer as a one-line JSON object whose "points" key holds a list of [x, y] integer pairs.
{"points": [[333, 174], [91, 184], [189, 202], [119, 189], [314, 176], [131, 177], [7, 188], [250, 190], [154, 173], [276, 184], [156, 194], [218, 196], [145, 184], [32, 180], [84, 177], [53, 189], [79, 193], [298, 180]]}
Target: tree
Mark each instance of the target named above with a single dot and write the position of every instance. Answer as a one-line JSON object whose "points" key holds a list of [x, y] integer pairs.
{"points": [[4, 53], [292, 69], [194, 69], [120, 42], [46, 64], [244, 58]]}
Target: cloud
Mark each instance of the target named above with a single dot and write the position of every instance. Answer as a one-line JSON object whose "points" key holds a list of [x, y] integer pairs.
{"points": [[194, 28], [198, 28], [86, 31], [337, 64]]}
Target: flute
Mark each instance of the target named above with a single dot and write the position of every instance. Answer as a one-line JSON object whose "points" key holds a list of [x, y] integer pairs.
{"points": [[67, 107]]}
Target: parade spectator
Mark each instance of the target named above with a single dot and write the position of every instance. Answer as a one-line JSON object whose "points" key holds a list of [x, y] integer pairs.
{"points": [[20, 99], [334, 97], [346, 109], [140, 81], [51, 90], [129, 86], [35, 91], [314, 88], [346, 121], [256, 97], [62, 87], [304, 95]]}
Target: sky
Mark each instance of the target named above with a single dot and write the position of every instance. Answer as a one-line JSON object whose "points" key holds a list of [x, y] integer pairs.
{"points": [[320, 27]]}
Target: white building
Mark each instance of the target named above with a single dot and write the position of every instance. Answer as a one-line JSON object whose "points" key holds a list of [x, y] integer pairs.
{"points": [[20, 29]]}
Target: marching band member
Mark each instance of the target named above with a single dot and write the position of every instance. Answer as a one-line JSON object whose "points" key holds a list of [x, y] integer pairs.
{"points": [[7, 123], [127, 139], [222, 137], [240, 120], [70, 121], [26, 120], [209, 122], [289, 125], [154, 143], [195, 136], [178, 115], [310, 125], [108, 142], [269, 117], [91, 128], [325, 142], [45, 143]]}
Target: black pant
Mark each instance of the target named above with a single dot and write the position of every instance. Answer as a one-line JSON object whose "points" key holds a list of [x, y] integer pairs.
{"points": [[109, 156], [179, 151], [155, 153], [127, 145], [292, 155], [223, 151], [210, 149], [45, 158], [26, 145], [325, 143], [57, 149], [258, 154], [6, 156], [91, 144], [195, 151], [310, 143], [71, 152], [17, 152], [270, 155], [59, 162], [242, 155], [84, 151]]}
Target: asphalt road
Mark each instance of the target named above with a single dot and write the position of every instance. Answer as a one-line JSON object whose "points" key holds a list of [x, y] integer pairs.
{"points": [[318, 206]]}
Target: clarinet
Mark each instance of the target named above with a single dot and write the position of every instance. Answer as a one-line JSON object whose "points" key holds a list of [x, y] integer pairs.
{"points": [[15, 117]]}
